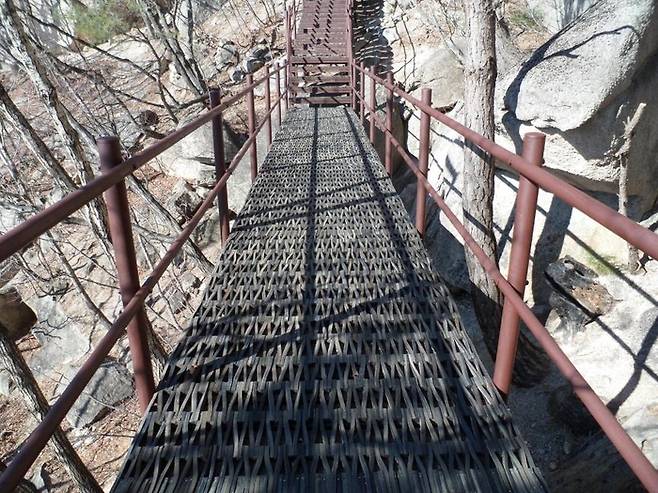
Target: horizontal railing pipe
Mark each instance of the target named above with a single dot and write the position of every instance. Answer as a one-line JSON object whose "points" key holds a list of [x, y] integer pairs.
{"points": [[37, 440], [628, 449], [25, 233], [635, 234]]}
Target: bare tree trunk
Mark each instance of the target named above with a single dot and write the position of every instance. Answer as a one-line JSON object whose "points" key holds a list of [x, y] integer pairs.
{"points": [[12, 360], [622, 156], [27, 53], [163, 27], [477, 202]]}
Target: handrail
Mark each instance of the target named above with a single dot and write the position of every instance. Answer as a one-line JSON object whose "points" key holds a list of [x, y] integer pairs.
{"points": [[635, 234], [605, 216], [23, 234]]}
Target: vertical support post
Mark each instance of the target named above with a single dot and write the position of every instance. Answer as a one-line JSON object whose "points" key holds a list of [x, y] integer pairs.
{"points": [[362, 92], [286, 88], [423, 161], [373, 104], [388, 152], [118, 210], [350, 54], [251, 121], [268, 106], [524, 221], [220, 162], [353, 75], [277, 94], [288, 74]]}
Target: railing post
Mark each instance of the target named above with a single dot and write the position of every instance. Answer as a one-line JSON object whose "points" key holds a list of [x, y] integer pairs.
{"points": [[220, 162], [373, 104], [362, 94], [524, 221], [350, 55], [118, 210], [277, 93], [288, 74], [423, 161], [353, 84], [388, 152], [268, 106], [286, 87], [251, 122]]}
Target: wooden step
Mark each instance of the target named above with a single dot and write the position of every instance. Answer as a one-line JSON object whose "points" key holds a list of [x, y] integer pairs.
{"points": [[321, 91], [324, 100], [319, 60], [313, 79]]}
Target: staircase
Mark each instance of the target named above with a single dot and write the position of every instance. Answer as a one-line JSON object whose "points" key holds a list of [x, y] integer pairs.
{"points": [[321, 54]]}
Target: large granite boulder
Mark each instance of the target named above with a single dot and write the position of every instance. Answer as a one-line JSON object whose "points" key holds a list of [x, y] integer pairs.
{"points": [[581, 88], [193, 158]]}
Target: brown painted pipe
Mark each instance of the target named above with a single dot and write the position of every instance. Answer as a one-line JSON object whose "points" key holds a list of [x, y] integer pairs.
{"points": [[220, 163], [362, 91], [635, 234], [631, 453], [118, 209], [268, 107], [37, 440], [524, 221], [423, 162], [277, 94], [373, 105], [388, 151], [26, 232], [251, 121]]}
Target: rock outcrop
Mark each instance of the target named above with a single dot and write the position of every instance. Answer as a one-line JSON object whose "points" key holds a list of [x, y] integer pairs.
{"points": [[109, 385], [193, 157], [581, 88]]}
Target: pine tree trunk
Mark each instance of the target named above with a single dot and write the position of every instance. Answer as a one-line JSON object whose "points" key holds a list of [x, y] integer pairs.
{"points": [[478, 188], [12, 360]]}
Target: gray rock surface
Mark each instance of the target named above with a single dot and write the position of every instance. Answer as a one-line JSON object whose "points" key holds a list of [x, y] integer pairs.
{"points": [[581, 88], [567, 80], [59, 336], [555, 14], [227, 54], [110, 385], [193, 158]]}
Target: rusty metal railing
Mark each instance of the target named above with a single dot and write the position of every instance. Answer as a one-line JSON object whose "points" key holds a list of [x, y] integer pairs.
{"points": [[532, 177], [111, 183]]}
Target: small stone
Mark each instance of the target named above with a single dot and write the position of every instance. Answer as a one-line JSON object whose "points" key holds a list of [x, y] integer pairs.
{"points": [[552, 465], [6, 383], [148, 118], [15, 316], [238, 75], [578, 282], [40, 479], [226, 54]]}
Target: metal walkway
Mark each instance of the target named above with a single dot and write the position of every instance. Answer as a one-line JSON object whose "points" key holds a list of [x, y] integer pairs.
{"points": [[326, 355]]}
